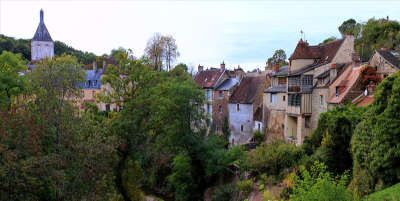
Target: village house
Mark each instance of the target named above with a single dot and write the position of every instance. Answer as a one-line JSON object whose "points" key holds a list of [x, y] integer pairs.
{"points": [[218, 85], [308, 84], [274, 103], [385, 63], [245, 108]]}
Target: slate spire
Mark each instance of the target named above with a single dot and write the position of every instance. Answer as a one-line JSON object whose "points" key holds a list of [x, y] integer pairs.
{"points": [[42, 34]]}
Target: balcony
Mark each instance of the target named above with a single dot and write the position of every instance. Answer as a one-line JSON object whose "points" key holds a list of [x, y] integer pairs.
{"points": [[299, 104]]}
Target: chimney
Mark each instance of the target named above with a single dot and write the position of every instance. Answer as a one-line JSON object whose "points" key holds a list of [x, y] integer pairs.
{"points": [[276, 67], [332, 72], [104, 65], [356, 58], [384, 48], [199, 68], [94, 66], [371, 88], [222, 66], [239, 74]]}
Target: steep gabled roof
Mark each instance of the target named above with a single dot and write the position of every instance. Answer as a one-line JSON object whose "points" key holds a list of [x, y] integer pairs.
{"points": [[347, 84], [42, 34], [246, 93], [324, 53], [208, 78], [389, 57], [227, 84]]}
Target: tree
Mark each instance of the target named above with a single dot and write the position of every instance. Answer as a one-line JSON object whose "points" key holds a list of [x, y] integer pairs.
{"points": [[11, 84], [332, 38], [155, 51], [279, 56], [375, 143], [171, 50], [351, 27]]}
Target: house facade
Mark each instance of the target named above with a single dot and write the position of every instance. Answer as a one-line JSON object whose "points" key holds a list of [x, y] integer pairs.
{"points": [[308, 84], [245, 108], [274, 103], [218, 85]]}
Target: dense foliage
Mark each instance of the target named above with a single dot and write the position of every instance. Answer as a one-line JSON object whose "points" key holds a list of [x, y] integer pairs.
{"points": [[23, 46], [330, 142], [375, 143]]}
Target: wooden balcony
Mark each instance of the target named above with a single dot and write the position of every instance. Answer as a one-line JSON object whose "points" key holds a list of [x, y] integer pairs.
{"points": [[304, 107]]}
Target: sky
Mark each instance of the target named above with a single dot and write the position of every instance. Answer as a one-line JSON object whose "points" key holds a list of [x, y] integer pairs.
{"points": [[244, 33]]}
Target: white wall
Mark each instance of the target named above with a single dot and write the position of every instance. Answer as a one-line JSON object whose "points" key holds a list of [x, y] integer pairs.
{"points": [[41, 50], [237, 119]]}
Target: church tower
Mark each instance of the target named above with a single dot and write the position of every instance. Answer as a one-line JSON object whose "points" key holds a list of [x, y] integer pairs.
{"points": [[42, 45]]}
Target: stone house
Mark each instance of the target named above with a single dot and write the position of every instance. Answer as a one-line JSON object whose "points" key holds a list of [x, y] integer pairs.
{"points": [[218, 85], [93, 86], [386, 62], [274, 104], [245, 108], [307, 84]]}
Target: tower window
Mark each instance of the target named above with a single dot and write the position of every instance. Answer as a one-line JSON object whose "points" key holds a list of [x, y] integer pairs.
{"points": [[237, 108]]}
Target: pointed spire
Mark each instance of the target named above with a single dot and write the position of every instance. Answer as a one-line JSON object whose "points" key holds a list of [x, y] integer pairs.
{"points": [[41, 16]]}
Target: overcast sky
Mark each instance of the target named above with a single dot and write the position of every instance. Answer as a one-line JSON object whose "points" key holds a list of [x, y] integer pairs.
{"points": [[207, 32]]}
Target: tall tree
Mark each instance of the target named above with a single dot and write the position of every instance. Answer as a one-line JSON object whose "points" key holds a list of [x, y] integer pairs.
{"points": [[350, 26], [155, 51], [171, 51]]}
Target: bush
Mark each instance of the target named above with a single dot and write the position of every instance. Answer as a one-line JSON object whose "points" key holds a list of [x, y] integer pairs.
{"points": [[319, 184], [245, 186], [267, 196], [225, 193], [273, 158], [258, 136]]}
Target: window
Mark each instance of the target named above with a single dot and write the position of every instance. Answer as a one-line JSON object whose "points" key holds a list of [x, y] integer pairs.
{"points": [[307, 80], [294, 100], [241, 128], [321, 100], [282, 81], [208, 94], [94, 83], [208, 108], [220, 108], [237, 108], [284, 97], [88, 83], [221, 94], [307, 122], [259, 127], [273, 98], [337, 92]]}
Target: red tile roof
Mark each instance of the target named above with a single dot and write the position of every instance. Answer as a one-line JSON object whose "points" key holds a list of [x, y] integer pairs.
{"points": [[324, 52], [346, 84], [207, 78], [364, 100], [246, 93]]}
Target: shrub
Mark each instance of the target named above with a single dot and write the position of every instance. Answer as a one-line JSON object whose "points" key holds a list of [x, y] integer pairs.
{"points": [[245, 186], [267, 196], [258, 136], [319, 184], [225, 193], [274, 157]]}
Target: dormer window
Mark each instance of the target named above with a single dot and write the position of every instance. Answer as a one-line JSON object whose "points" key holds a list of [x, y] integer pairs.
{"points": [[337, 91]]}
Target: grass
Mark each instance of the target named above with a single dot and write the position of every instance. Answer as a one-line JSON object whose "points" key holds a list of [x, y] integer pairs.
{"points": [[390, 194]]}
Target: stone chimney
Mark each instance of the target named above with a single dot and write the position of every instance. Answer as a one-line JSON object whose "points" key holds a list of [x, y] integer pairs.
{"points": [[222, 66], [104, 65], [371, 88], [332, 72], [94, 66], [199, 68], [276, 67]]}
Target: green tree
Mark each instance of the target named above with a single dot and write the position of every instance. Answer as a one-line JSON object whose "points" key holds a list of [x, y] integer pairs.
{"points": [[11, 84], [375, 143], [351, 27]]}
